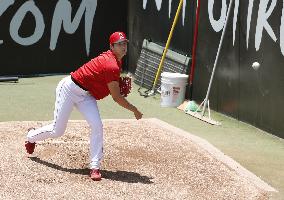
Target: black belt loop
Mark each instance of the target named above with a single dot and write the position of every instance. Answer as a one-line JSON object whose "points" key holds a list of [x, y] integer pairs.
{"points": [[78, 84]]}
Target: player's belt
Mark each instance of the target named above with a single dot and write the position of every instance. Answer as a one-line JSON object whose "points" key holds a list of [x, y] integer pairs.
{"points": [[78, 84]]}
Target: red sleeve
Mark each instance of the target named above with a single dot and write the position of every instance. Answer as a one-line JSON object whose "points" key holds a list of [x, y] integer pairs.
{"points": [[112, 73]]}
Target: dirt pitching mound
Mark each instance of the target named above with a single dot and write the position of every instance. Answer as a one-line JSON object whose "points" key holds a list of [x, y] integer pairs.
{"points": [[146, 159]]}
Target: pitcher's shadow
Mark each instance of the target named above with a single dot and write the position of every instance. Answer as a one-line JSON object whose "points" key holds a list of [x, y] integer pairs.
{"points": [[123, 176]]}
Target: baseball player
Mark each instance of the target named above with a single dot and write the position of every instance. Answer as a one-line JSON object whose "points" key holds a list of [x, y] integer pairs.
{"points": [[93, 81]]}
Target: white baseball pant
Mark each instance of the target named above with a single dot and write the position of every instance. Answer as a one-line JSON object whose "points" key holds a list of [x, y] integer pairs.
{"points": [[68, 95]]}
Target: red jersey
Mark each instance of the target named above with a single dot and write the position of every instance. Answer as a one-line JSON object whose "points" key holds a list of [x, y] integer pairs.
{"points": [[97, 73]]}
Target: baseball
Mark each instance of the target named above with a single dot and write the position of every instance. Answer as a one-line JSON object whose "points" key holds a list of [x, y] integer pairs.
{"points": [[255, 65]]}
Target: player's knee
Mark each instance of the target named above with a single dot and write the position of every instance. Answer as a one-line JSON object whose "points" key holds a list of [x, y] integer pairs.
{"points": [[56, 133]]}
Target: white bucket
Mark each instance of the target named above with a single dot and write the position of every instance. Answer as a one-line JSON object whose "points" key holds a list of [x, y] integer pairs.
{"points": [[173, 89]]}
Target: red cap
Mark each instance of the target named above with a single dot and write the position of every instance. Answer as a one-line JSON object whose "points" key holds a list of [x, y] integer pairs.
{"points": [[117, 37]]}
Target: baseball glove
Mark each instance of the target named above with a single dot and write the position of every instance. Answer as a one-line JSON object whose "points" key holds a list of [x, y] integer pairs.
{"points": [[125, 85]]}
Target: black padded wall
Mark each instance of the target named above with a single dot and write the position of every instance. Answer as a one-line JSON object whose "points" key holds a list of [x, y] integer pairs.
{"points": [[238, 90], [56, 36], [150, 19]]}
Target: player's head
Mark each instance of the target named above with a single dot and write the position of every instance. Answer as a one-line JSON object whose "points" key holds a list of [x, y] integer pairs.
{"points": [[118, 44], [117, 37]]}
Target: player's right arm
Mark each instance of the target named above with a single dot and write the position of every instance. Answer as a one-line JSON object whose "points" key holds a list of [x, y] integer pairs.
{"points": [[118, 98]]}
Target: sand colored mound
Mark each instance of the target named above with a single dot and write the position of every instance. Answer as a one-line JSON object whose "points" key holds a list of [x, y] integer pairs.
{"points": [[146, 159]]}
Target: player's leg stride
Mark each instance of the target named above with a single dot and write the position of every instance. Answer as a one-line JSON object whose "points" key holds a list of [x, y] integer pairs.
{"points": [[30, 146], [95, 174]]}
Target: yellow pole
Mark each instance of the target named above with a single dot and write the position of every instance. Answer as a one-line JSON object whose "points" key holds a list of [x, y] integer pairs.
{"points": [[167, 46]]}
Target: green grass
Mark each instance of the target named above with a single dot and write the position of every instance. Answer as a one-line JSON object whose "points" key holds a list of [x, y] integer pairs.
{"points": [[260, 152]]}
